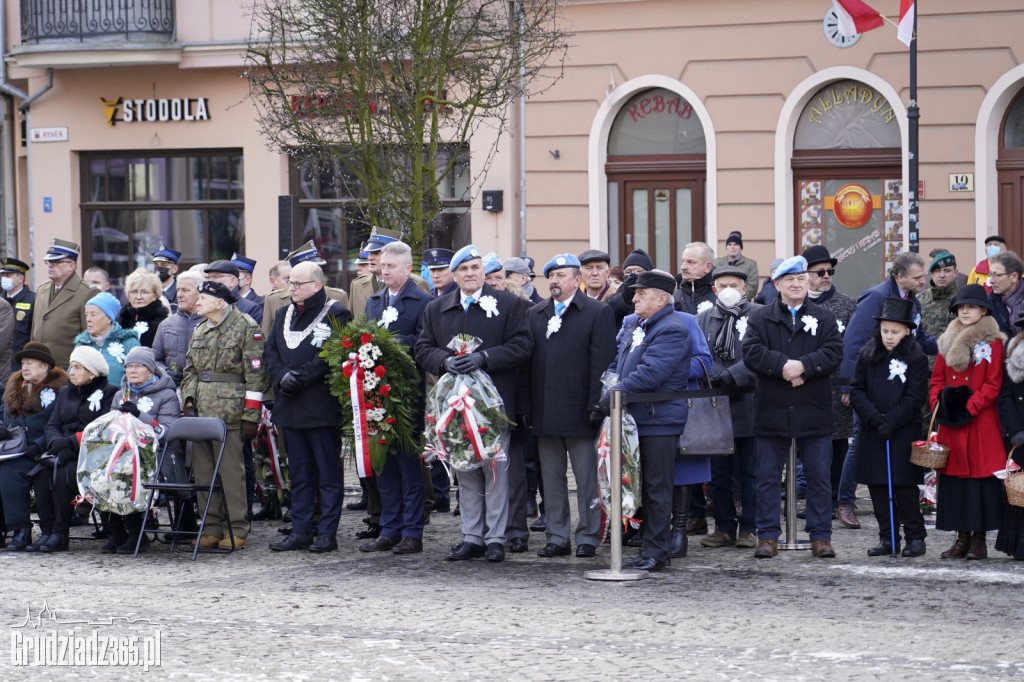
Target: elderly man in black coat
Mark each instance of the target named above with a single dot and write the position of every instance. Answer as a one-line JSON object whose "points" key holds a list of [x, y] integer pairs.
{"points": [[305, 409], [793, 346], [574, 342], [499, 321]]}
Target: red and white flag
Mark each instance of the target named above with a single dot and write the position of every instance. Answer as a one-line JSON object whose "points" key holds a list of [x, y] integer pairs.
{"points": [[906, 30], [856, 17]]}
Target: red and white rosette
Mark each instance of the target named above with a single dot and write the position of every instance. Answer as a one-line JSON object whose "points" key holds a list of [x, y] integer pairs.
{"points": [[359, 429], [462, 403]]}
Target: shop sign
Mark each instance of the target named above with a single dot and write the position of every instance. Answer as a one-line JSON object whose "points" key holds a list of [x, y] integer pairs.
{"points": [[49, 135], [156, 110]]}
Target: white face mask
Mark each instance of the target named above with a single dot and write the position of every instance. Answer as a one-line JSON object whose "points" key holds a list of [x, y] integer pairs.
{"points": [[993, 250], [7, 283], [729, 297]]}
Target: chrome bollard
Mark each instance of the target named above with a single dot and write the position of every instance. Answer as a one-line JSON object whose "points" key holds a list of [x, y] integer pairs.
{"points": [[791, 542]]}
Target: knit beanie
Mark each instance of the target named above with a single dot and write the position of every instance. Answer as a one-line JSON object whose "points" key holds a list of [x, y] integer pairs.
{"points": [[106, 302], [639, 257], [91, 359], [143, 356]]}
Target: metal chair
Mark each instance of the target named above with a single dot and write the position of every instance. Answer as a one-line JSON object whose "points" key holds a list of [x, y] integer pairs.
{"points": [[192, 429]]}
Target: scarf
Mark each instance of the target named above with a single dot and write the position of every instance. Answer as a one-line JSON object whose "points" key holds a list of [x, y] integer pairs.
{"points": [[725, 341]]}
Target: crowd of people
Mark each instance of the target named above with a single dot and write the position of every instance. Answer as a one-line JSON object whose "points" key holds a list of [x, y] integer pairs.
{"points": [[856, 383]]}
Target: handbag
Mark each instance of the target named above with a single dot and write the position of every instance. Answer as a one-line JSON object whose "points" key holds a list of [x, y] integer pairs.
{"points": [[708, 430], [15, 446]]}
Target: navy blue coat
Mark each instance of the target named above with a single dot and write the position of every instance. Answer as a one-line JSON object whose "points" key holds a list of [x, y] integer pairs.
{"points": [[506, 339], [410, 302], [246, 306], [567, 366], [862, 324], [661, 363]]}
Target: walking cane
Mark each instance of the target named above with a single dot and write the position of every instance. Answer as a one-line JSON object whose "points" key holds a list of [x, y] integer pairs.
{"points": [[892, 513]]}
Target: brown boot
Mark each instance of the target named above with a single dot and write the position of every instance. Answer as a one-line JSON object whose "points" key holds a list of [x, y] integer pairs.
{"points": [[959, 547], [978, 550], [847, 515]]}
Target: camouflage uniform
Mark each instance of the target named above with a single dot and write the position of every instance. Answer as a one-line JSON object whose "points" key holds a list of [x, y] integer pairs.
{"points": [[224, 377], [935, 315]]}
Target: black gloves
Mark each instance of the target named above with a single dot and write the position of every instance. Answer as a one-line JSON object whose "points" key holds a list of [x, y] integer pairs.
{"points": [[524, 422], [627, 287], [290, 384], [65, 455], [723, 380], [1017, 439], [876, 421], [32, 452], [884, 431], [5, 434], [596, 417], [464, 364], [130, 407], [249, 430]]}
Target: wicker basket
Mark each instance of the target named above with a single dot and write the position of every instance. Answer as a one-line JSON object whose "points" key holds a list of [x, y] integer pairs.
{"points": [[1014, 483], [927, 453]]}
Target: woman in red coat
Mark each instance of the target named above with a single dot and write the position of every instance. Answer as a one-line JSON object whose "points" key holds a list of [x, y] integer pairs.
{"points": [[965, 385]]}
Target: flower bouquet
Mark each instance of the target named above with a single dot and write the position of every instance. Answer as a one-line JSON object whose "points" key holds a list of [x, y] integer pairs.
{"points": [[466, 423], [630, 466], [117, 454], [377, 383]]}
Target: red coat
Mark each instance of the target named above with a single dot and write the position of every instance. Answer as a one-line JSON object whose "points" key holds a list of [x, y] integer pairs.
{"points": [[975, 450]]}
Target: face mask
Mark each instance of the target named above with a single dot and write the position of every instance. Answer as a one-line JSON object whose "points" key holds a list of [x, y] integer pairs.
{"points": [[992, 250], [7, 283], [163, 273], [729, 297]]}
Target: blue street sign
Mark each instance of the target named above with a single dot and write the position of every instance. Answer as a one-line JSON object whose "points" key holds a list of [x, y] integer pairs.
{"points": [[47, 205]]}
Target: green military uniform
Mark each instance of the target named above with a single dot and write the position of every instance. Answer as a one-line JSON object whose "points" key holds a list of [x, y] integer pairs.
{"points": [[224, 378], [935, 315]]}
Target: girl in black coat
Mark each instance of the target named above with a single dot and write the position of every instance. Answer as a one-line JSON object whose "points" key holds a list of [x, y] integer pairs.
{"points": [[889, 388]]}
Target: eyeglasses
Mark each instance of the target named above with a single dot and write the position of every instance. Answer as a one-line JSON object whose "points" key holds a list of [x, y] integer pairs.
{"points": [[63, 261], [140, 292], [296, 285], [822, 273], [993, 275]]}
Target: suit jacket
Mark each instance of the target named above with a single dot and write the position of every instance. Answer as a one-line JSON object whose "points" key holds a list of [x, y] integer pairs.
{"points": [[410, 302], [506, 339], [567, 365], [365, 286], [56, 323]]}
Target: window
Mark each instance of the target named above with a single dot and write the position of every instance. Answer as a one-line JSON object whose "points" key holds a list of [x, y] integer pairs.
{"points": [[189, 201]]}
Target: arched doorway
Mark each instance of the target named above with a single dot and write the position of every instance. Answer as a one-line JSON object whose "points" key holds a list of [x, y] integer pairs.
{"points": [[1010, 169], [657, 174], [847, 186]]}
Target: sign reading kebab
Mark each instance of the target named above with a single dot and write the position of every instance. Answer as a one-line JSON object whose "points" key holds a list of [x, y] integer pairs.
{"points": [[149, 110]]}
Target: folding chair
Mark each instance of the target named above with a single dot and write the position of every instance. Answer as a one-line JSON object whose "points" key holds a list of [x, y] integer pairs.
{"points": [[192, 429]]}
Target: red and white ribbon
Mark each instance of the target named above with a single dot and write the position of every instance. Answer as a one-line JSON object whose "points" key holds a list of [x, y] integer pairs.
{"points": [[361, 435], [270, 434], [461, 402], [128, 446]]}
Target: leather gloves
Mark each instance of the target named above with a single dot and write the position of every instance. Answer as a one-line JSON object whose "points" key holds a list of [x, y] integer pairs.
{"points": [[464, 364], [130, 407], [876, 421], [596, 417], [627, 287], [723, 380], [1017, 439], [290, 384], [249, 430], [884, 431]]}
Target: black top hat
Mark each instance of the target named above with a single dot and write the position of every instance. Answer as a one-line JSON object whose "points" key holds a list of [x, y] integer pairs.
{"points": [[897, 310], [972, 294], [818, 254]]}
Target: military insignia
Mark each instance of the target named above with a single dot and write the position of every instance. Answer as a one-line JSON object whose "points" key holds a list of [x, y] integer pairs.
{"points": [[23, 306], [560, 260], [433, 253], [474, 253], [20, 316], [256, 363], [257, 336]]}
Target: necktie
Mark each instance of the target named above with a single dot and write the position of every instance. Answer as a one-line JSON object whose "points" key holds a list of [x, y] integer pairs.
{"points": [[904, 295], [559, 308], [469, 301], [391, 299]]}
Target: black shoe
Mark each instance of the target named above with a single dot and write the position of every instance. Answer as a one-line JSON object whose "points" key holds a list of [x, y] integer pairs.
{"points": [[372, 531], [380, 544], [55, 542], [285, 530], [531, 508], [358, 505], [884, 548], [34, 547], [551, 549], [292, 542], [467, 550], [458, 511], [650, 564], [128, 546], [914, 548], [21, 540], [518, 545], [586, 551], [634, 561], [540, 525], [324, 543], [495, 552], [79, 519], [266, 514], [442, 508], [408, 546]]}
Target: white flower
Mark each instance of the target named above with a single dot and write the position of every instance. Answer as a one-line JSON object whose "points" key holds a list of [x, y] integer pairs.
{"points": [[116, 351], [842, 327], [370, 383], [94, 400], [387, 317], [321, 332], [741, 327], [146, 404], [47, 396], [141, 328], [898, 368], [490, 305], [376, 414], [554, 324], [982, 353], [703, 305], [638, 338], [810, 324]]}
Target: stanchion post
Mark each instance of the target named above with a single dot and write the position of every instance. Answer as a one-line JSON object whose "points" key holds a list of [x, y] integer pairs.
{"points": [[615, 572], [791, 541]]}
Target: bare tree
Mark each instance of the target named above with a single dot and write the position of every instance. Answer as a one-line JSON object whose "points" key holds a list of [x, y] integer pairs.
{"points": [[393, 90]]}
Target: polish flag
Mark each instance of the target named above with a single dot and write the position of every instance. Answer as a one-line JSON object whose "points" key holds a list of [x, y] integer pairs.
{"points": [[906, 29], [856, 17]]}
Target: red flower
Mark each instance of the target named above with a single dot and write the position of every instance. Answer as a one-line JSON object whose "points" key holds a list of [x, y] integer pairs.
{"points": [[430, 419], [347, 370], [385, 390], [484, 429], [346, 342], [365, 339], [380, 371], [390, 420], [382, 441]]}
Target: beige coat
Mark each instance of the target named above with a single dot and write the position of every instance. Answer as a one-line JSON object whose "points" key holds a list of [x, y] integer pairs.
{"points": [[56, 323]]}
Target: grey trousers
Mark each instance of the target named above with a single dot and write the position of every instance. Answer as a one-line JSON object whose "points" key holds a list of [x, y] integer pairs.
{"points": [[483, 499], [553, 463]]}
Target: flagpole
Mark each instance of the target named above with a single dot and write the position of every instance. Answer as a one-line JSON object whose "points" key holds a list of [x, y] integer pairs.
{"points": [[913, 117]]}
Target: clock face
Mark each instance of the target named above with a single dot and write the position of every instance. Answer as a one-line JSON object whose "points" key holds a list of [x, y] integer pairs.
{"points": [[830, 25]]}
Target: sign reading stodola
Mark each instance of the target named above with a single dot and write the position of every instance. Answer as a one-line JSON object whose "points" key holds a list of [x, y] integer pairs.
{"points": [[138, 110]]}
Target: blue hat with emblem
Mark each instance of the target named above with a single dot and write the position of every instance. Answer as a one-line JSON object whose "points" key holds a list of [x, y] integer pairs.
{"points": [[243, 263], [436, 259], [794, 265], [468, 252], [60, 249], [166, 255], [379, 238], [492, 263], [530, 263], [562, 260], [364, 256], [306, 253]]}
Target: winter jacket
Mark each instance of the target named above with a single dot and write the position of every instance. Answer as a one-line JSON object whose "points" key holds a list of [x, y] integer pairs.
{"points": [[158, 401], [115, 348], [972, 357], [894, 386], [693, 297], [1011, 397], [742, 406], [747, 265], [75, 408], [33, 410], [773, 337], [768, 293], [170, 345], [143, 320], [843, 307]]}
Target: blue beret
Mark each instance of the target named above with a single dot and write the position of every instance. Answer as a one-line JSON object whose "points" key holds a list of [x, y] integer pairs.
{"points": [[492, 263], [438, 258], [468, 252], [561, 260], [791, 266]]}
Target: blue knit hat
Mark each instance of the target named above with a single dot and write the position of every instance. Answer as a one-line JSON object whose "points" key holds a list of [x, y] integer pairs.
{"points": [[106, 302]]}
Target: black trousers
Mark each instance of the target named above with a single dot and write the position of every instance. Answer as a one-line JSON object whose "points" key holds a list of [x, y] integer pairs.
{"points": [[657, 464], [906, 503], [54, 497]]}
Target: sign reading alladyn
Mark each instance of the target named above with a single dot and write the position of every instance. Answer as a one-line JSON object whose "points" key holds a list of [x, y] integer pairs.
{"points": [[156, 110]]}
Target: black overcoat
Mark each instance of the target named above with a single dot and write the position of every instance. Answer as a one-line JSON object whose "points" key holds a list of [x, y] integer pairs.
{"points": [[72, 412]]}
